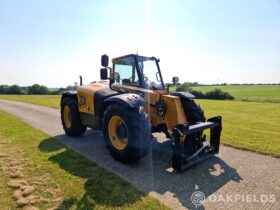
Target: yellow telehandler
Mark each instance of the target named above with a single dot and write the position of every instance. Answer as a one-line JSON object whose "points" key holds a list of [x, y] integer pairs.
{"points": [[130, 102]]}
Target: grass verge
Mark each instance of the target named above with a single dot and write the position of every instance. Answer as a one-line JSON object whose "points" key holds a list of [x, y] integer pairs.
{"points": [[252, 126], [43, 100], [39, 172]]}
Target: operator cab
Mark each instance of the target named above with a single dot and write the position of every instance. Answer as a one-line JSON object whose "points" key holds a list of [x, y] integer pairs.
{"points": [[136, 71]]}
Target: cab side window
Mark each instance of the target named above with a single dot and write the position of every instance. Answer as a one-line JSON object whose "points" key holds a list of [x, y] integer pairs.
{"points": [[127, 75]]}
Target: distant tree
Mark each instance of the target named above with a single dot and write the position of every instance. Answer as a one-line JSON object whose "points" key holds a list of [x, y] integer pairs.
{"points": [[183, 87], [195, 84], [214, 94], [218, 94], [61, 90], [38, 89], [70, 87], [15, 89], [197, 93], [34, 89], [43, 90], [25, 90], [3, 89]]}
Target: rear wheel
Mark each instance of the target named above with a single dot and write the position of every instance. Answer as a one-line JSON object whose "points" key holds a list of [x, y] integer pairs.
{"points": [[194, 115], [127, 132], [70, 117]]}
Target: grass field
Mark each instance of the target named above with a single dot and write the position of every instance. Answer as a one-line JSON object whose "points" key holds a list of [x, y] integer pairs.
{"points": [[253, 126], [38, 171], [265, 93], [44, 100]]}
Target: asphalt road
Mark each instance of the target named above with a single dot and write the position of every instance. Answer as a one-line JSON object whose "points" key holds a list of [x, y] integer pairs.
{"points": [[234, 179]]}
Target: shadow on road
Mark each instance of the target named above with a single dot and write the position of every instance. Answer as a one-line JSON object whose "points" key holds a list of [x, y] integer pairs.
{"points": [[206, 177], [152, 174]]}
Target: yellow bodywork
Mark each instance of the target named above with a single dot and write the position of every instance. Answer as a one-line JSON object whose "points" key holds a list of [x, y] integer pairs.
{"points": [[174, 114], [86, 96]]}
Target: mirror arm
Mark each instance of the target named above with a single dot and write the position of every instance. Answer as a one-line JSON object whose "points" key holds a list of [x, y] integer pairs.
{"points": [[111, 81], [169, 85]]}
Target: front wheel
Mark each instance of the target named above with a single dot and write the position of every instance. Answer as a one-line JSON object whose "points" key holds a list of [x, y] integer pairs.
{"points": [[194, 115], [193, 111], [70, 117], [127, 132]]}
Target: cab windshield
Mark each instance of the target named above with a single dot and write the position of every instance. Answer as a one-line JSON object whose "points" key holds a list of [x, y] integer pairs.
{"points": [[131, 70]]}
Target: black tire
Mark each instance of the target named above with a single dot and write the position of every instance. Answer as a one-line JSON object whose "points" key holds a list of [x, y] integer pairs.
{"points": [[138, 132], [76, 128], [193, 111], [194, 115]]}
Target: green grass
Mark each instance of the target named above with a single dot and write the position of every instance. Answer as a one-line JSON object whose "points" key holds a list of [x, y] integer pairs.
{"points": [[44, 100], [265, 93], [61, 177], [253, 126]]}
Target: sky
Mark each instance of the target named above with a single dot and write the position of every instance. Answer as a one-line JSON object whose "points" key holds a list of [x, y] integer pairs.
{"points": [[53, 42]]}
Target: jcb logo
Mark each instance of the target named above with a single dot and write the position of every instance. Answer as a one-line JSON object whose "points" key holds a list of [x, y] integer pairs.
{"points": [[82, 101]]}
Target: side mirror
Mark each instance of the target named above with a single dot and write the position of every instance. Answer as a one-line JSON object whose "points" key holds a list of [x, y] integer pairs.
{"points": [[103, 74], [104, 60], [175, 80]]}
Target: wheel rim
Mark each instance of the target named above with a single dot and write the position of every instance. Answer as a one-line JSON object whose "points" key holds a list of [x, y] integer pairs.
{"points": [[67, 116], [119, 141]]}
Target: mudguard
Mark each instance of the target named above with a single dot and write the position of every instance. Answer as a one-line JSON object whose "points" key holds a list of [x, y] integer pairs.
{"points": [[71, 93], [183, 95], [129, 100]]}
